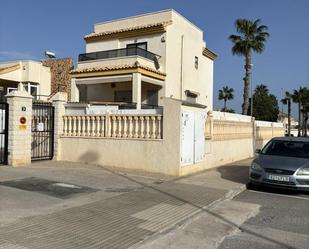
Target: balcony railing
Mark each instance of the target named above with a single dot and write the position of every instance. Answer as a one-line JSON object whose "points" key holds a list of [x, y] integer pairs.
{"points": [[118, 53]]}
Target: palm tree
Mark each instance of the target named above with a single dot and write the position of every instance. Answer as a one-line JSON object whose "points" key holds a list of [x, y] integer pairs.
{"points": [[305, 119], [226, 94], [287, 101], [298, 97], [251, 38], [305, 112]]}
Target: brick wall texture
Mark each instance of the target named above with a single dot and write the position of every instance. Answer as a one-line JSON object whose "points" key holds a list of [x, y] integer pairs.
{"points": [[60, 75]]}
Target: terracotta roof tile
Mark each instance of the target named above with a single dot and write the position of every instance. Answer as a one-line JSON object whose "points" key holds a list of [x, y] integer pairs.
{"points": [[93, 34], [115, 67], [10, 68]]}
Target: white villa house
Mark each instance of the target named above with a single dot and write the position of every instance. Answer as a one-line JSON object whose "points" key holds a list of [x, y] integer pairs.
{"points": [[140, 98], [33, 74], [134, 62]]}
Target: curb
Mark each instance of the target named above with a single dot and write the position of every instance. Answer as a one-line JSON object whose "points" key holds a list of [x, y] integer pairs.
{"points": [[228, 196]]}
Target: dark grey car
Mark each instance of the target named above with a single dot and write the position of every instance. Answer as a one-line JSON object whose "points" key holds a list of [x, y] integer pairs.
{"points": [[283, 162]]}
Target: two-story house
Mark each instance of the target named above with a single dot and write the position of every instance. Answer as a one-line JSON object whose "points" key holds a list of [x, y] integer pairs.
{"points": [[137, 60]]}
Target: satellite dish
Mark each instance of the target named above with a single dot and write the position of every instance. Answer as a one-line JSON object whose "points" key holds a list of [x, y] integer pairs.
{"points": [[156, 62], [49, 54]]}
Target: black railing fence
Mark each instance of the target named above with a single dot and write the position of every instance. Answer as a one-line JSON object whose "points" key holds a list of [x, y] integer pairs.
{"points": [[118, 53]]}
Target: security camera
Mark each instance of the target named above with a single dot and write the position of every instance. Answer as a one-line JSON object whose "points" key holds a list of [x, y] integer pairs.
{"points": [[49, 54]]}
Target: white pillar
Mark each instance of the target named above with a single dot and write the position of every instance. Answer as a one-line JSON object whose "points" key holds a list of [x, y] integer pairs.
{"points": [[59, 100], [19, 146], [137, 90]]}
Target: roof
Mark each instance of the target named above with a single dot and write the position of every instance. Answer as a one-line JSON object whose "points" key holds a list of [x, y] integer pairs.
{"points": [[209, 54], [118, 69], [8, 69], [114, 67], [128, 32]]}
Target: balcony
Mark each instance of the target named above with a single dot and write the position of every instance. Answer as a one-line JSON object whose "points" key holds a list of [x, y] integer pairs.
{"points": [[116, 53]]}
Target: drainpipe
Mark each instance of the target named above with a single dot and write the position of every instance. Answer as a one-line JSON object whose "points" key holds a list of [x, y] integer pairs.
{"points": [[181, 68]]}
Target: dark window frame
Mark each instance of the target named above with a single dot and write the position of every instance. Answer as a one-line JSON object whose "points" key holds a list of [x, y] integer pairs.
{"points": [[196, 62], [136, 45]]}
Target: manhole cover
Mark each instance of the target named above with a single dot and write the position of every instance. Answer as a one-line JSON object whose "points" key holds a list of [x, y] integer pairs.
{"points": [[52, 188]]}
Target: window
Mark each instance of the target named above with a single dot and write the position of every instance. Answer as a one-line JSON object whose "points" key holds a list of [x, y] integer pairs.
{"points": [[10, 89], [32, 89], [152, 97], [142, 45], [196, 62], [123, 96], [137, 49]]}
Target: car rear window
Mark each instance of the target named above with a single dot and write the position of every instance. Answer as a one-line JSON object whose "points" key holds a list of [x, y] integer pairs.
{"points": [[287, 148]]}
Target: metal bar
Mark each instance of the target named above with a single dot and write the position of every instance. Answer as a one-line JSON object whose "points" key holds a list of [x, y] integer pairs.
{"points": [[4, 110], [42, 140], [114, 53]]}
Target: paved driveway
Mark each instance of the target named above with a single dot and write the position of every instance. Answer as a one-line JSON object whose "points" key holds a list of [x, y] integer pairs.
{"points": [[65, 205]]}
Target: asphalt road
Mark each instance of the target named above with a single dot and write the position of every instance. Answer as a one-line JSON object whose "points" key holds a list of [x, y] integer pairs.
{"points": [[282, 222]]}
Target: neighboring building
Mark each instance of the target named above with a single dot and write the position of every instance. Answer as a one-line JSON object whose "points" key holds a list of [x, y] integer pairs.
{"points": [[142, 58], [60, 74], [283, 118], [33, 74], [42, 79]]}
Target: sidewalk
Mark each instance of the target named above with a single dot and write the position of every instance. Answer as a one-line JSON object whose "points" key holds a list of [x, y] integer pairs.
{"points": [[124, 210]]}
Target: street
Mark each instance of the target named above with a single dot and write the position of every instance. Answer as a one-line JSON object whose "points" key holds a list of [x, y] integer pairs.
{"points": [[71, 205], [283, 221]]}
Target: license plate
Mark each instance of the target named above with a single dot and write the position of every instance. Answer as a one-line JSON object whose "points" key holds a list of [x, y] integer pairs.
{"points": [[279, 178]]}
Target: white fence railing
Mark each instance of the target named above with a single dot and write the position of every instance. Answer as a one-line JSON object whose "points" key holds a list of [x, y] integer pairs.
{"points": [[226, 126], [115, 126]]}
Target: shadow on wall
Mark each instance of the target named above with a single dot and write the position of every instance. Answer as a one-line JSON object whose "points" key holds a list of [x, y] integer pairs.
{"points": [[89, 157], [235, 172]]}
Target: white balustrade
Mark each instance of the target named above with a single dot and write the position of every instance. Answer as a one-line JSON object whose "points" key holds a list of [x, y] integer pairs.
{"points": [[116, 126]]}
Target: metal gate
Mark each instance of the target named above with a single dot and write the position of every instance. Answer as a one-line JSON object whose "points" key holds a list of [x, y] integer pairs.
{"points": [[42, 127], [4, 120]]}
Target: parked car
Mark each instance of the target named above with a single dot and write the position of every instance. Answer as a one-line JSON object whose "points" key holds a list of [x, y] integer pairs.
{"points": [[283, 162]]}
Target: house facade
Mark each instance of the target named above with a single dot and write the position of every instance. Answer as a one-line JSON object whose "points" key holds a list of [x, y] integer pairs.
{"points": [[137, 61], [33, 74]]}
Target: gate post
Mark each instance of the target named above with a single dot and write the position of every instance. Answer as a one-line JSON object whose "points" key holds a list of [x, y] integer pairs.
{"points": [[59, 100], [19, 130]]}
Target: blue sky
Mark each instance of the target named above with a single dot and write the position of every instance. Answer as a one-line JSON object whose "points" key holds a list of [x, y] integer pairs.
{"points": [[27, 28]]}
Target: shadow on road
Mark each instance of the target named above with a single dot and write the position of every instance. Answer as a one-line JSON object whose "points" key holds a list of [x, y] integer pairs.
{"points": [[235, 173]]}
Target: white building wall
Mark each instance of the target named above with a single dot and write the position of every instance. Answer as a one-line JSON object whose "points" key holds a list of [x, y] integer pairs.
{"points": [[102, 45], [133, 21], [184, 42]]}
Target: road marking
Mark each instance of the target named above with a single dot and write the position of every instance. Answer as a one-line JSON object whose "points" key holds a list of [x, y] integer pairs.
{"points": [[274, 194]]}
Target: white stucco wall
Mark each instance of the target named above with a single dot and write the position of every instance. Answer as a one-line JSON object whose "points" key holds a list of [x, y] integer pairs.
{"points": [[133, 21], [184, 42]]}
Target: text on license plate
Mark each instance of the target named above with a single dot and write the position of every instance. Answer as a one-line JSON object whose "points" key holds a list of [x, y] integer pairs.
{"points": [[279, 178]]}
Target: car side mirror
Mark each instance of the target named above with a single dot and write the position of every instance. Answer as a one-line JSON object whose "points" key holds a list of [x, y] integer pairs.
{"points": [[257, 151]]}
